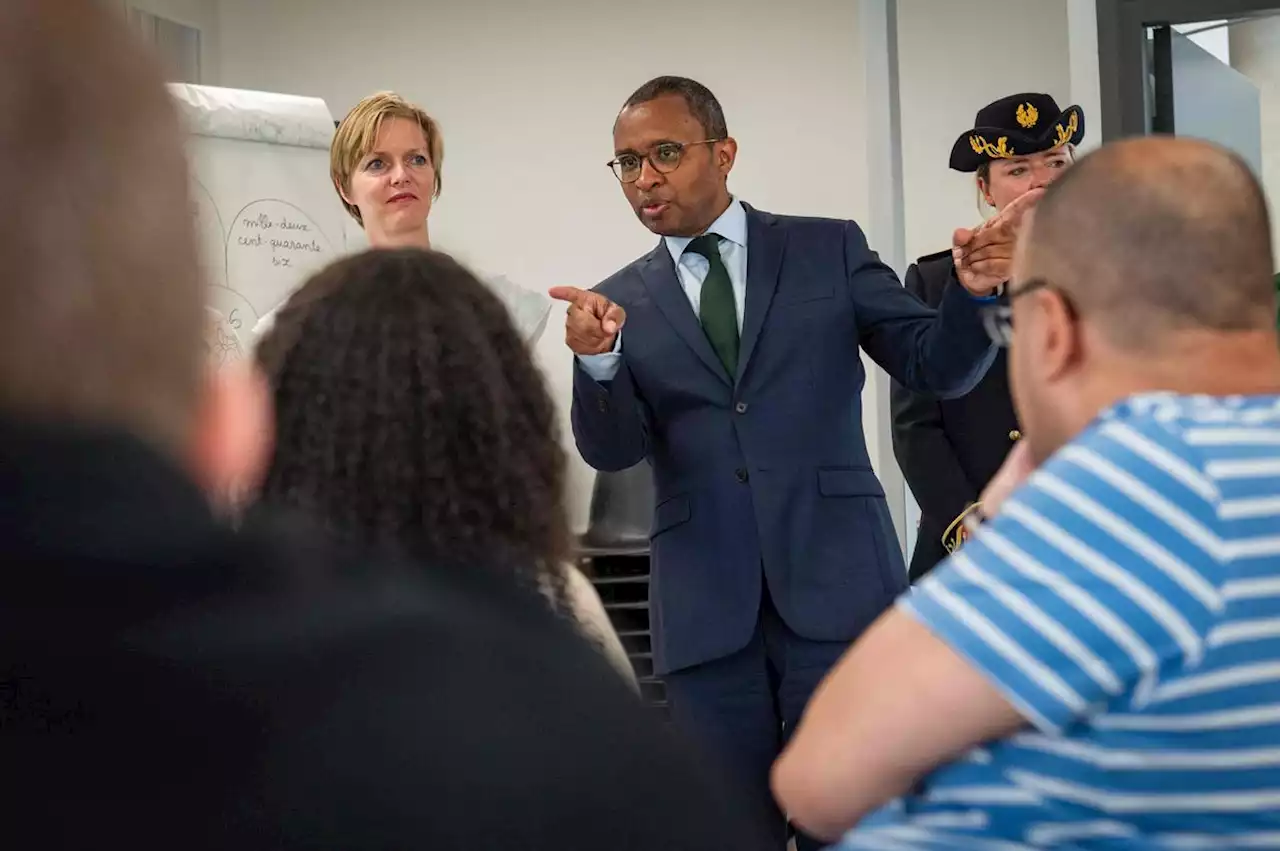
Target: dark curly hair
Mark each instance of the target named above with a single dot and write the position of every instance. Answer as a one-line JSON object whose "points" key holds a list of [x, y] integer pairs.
{"points": [[411, 415]]}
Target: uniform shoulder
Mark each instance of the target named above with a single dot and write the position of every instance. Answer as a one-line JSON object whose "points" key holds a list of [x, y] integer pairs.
{"points": [[928, 276], [936, 266], [936, 257]]}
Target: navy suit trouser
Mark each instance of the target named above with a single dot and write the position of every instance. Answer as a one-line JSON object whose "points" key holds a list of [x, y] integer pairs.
{"points": [[742, 708]]}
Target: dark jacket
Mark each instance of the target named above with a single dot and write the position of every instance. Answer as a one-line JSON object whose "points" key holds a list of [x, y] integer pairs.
{"points": [[769, 466], [948, 449], [168, 684]]}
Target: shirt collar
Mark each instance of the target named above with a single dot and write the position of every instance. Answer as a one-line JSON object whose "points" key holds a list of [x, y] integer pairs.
{"points": [[732, 225]]}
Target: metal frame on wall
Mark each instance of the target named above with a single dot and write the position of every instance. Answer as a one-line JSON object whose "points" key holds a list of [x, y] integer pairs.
{"points": [[885, 224], [1122, 49]]}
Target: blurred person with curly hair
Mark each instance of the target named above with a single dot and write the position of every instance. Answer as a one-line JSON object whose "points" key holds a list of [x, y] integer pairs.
{"points": [[411, 417]]}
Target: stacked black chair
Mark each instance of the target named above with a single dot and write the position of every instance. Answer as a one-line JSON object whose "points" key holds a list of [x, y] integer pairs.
{"points": [[614, 553]]}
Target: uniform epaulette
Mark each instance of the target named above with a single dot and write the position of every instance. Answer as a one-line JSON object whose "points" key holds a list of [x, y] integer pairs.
{"points": [[929, 258]]}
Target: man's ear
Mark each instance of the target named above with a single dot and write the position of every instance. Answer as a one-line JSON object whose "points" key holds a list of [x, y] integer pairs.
{"points": [[726, 155], [234, 431], [1062, 346]]}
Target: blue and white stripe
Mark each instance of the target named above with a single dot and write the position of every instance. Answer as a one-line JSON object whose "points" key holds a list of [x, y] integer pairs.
{"points": [[1127, 602]]}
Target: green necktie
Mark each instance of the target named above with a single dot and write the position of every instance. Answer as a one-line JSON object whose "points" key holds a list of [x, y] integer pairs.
{"points": [[716, 306]]}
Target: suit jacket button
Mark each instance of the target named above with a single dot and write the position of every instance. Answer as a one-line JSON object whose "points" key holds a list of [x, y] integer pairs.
{"points": [[741, 474], [603, 405], [1015, 435], [741, 407]]}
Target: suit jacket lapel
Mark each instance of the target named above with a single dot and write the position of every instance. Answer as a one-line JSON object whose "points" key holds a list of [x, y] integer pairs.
{"points": [[659, 274], [766, 243]]}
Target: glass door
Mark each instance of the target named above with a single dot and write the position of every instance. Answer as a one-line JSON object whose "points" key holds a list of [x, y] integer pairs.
{"points": [[1196, 92]]}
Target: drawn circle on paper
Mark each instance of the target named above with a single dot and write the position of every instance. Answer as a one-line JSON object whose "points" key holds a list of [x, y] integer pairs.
{"points": [[211, 234], [222, 345], [271, 248], [235, 310]]}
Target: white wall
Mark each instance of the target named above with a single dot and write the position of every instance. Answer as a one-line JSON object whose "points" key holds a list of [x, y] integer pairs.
{"points": [[955, 59], [1216, 41], [200, 14], [531, 94], [1086, 83], [527, 93], [1255, 52]]}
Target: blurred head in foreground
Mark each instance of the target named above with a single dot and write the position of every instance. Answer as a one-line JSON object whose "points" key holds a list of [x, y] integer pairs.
{"points": [[102, 303]]}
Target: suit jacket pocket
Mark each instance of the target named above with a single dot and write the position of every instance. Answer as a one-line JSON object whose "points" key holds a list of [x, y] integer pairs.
{"points": [[844, 547], [670, 512], [798, 290], [848, 481], [873, 541]]}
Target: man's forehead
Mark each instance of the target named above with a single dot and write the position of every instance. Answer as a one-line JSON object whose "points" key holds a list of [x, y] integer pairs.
{"points": [[662, 119]]}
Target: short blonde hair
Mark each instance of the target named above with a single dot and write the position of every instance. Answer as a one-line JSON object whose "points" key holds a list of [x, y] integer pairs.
{"points": [[358, 132]]}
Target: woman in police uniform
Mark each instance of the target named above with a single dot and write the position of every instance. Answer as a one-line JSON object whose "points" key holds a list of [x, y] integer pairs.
{"points": [[949, 450]]}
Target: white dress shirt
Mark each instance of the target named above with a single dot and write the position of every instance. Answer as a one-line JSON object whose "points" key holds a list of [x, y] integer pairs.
{"points": [[692, 270]]}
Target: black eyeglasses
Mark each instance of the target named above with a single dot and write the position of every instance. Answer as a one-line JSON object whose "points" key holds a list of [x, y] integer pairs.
{"points": [[997, 319], [665, 158]]}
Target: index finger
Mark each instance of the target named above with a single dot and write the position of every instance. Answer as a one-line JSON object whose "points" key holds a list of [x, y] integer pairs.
{"points": [[573, 295], [987, 236], [1018, 207]]}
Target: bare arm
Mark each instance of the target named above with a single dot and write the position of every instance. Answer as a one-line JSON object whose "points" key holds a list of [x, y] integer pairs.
{"points": [[873, 727]]}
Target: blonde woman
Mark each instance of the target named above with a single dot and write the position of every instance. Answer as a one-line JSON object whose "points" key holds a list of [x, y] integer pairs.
{"points": [[386, 163]]}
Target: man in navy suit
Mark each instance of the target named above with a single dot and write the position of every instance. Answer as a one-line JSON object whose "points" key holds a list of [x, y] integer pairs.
{"points": [[738, 378]]}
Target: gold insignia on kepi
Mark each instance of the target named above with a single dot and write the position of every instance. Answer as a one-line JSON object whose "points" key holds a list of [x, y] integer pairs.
{"points": [[1065, 133], [1028, 115], [1029, 122], [1000, 150]]}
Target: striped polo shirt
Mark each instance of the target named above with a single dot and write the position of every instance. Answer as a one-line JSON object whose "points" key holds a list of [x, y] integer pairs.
{"points": [[1126, 601]]}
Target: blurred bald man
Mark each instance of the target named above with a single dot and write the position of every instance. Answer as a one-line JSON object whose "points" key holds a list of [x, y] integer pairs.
{"points": [[1108, 643]]}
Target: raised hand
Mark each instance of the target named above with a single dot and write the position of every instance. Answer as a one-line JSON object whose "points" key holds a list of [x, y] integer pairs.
{"points": [[984, 255], [593, 322]]}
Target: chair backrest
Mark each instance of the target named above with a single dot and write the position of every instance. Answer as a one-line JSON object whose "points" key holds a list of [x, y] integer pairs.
{"points": [[621, 511]]}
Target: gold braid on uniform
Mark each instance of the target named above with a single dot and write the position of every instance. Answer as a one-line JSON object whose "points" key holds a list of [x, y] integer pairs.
{"points": [[958, 532]]}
